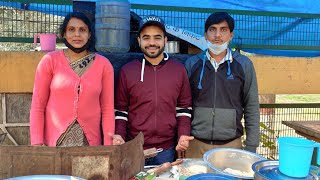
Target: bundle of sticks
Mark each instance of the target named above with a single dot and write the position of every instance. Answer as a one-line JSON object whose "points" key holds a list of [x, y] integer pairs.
{"points": [[164, 167]]}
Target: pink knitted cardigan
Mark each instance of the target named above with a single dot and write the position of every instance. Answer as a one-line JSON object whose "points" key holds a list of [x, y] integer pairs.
{"points": [[56, 103]]}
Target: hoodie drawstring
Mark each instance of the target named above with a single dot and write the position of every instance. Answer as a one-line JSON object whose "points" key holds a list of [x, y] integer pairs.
{"points": [[142, 69], [166, 54], [202, 71], [144, 64], [229, 69]]}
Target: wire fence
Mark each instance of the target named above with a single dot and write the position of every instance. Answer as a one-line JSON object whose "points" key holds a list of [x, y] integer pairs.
{"points": [[21, 19], [271, 117]]}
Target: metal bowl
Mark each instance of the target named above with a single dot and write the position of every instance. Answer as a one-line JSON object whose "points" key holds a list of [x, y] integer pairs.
{"points": [[172, 47], [236, 160], [269, 170]]}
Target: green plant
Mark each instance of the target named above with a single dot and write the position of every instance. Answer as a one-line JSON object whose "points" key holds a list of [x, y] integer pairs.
{"points": [[267, 138]]}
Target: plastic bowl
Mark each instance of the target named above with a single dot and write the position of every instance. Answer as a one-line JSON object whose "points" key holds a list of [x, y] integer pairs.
{"points": [[210, 176], [232, 162]]}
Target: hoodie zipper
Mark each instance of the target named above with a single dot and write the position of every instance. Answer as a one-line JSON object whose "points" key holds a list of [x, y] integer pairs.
{"points": [[156, 103], [214, 100]]}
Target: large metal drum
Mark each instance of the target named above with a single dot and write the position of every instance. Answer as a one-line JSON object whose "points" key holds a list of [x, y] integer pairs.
{"points": [[112, 26]]}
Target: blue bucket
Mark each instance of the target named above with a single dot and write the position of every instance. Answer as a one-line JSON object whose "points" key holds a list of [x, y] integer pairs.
{"points": [[295, 155]]}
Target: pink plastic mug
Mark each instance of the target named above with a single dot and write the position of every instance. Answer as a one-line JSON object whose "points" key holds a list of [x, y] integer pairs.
{"points": [[47, 41]]}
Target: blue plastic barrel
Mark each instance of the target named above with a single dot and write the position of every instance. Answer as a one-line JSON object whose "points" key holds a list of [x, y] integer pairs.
{"points": [[295, 155], [112, 25]]}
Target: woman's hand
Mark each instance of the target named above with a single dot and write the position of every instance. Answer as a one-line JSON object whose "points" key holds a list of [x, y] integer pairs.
{"points": [[117, 140], [39, 145]]}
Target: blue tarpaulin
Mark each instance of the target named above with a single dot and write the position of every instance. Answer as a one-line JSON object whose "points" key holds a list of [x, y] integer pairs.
{"points": [[290, 6], [279, 33]]}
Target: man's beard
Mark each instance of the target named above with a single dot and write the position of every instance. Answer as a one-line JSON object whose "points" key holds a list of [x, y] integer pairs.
{"points": [[149, 55]]}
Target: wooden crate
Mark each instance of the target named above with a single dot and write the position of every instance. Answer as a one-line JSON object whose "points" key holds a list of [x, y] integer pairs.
{"points": [[100, 162]]}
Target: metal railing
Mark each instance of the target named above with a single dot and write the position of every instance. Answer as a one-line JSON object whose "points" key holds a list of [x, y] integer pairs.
{"points": [[20, 20]]}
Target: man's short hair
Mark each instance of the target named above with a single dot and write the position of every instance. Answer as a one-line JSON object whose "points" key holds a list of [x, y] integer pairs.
{"points": [[218, 17]]}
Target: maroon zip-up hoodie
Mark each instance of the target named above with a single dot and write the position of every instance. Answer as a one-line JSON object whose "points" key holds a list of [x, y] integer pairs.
{"points": [[155, 100]]}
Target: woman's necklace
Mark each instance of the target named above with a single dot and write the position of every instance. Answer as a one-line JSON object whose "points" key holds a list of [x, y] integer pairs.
{"points": [[68, 58]]}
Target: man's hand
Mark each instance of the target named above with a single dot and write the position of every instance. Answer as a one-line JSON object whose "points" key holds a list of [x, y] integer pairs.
{"points": [[183, 145], [117, 140]]}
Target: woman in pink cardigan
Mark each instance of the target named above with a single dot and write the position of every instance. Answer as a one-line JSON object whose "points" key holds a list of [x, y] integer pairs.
{"points": [[73, 94]]}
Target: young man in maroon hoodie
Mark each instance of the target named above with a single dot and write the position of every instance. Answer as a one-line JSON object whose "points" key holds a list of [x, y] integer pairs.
{"points": [[153, 96]]}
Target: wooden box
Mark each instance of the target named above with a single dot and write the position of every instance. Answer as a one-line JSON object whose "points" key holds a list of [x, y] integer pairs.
{"points": [[100, 162]]}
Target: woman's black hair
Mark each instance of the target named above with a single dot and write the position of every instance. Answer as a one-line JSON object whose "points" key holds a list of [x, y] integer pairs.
{"points": [[85, 19]]}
